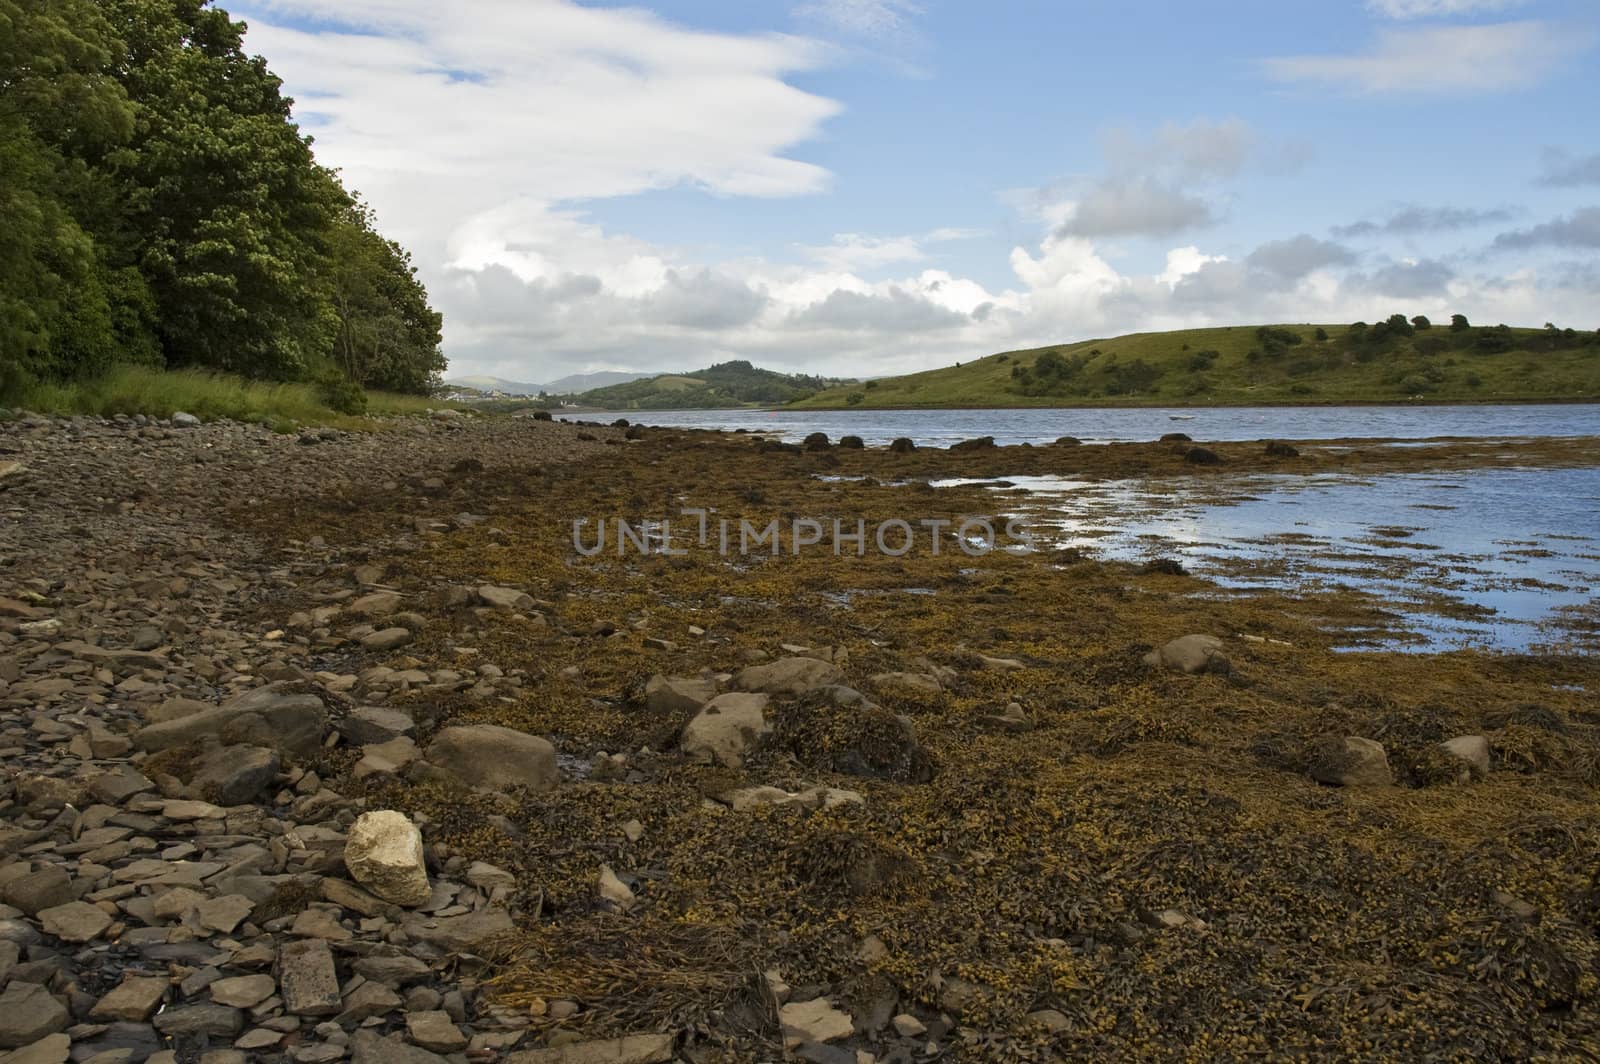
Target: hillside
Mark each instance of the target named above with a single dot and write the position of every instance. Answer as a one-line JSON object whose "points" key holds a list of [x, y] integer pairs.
{"points": [[1392, 361], [727, 384]]}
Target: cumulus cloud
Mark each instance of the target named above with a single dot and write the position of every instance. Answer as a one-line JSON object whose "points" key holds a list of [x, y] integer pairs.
{"points": [[1297, 256], [896, 310], [1442, 59], [1135, 206], [1562, 169], [856, 251], [1415, 219], [1410, 280], [1581, 229], [1407, 9]]}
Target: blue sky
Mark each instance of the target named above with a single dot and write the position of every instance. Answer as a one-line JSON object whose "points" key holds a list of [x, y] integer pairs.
{"points": [[873, 186]]}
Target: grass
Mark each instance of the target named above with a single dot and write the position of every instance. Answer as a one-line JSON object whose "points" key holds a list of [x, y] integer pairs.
{"points": [[1437, 364], [208, 396]]}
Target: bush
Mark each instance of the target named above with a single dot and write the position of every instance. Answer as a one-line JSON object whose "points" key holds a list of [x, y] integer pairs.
{"points": [[1421, 322], [855, 398], [1321, 334], [342, 394], [870, 385], [1459, 323]]}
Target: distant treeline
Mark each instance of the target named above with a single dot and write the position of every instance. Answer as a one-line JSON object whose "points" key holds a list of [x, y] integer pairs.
{"points": [[160, 207]]}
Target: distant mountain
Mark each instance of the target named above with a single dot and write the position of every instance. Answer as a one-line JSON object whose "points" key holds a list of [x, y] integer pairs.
{"points": [[576, 382], [494, 384], [582, 382], [727, 384]]}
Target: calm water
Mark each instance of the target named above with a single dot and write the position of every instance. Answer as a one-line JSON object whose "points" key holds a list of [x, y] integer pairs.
{"points": [[943, 427], [1507, 559]]}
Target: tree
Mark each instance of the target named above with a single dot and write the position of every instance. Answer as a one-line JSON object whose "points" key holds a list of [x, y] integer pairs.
{"points": [[1459, 323], [1321, 335], [1421, 322]]}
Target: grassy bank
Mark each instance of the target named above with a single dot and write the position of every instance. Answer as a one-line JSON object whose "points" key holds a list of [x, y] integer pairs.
{"points": [[1256, 365], [162, 393]]}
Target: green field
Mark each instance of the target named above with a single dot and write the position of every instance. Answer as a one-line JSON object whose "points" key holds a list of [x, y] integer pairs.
{"points": [[1389, 362]]}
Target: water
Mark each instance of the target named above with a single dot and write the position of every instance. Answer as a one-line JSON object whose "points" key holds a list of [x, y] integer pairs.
{"points": [[942, 427], [1504, 559]]}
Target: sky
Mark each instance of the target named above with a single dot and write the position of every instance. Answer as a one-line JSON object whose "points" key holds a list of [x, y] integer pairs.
{"points": [[867, 187]]}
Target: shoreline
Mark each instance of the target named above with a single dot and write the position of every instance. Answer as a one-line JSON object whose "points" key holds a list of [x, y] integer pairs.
{"points": [[938, 799]]}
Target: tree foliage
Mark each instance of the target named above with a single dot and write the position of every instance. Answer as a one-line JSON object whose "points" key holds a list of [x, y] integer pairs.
{"points": [[162, 207]]}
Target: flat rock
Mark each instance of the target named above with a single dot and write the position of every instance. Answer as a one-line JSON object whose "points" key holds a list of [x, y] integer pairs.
{"points": [[1351, 762], [369, 1048], [308, 979], [216, 1021], [51, 1049], [234, 775], [788, 676], [132, 1000], [243, 991], [489, 757], [678, 694], [76, 921], [266, 716], [816, 1020], [434, 1030], [386, 639], [370, 725], [29, 1012]]}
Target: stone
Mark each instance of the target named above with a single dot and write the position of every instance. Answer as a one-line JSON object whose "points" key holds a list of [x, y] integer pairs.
{"points": [[384, 854], [225, 913], [131, 1001], [908, 1026], [678, 694], [493, 758], [615, 890], [727, 728], [1473, 753], [458, 933], [816, 1020], [435, 1031], [788, 676], [216, 1021], [505, 598], [266, 716], [368, 1048], [234, 775], [183, 420], [76, 921], [629, 1049], [243, 991], [1189, 654], [307, 978], [1351, 762], [366, 1001], [392, 971], [1050, 1019], [377, 604], [43, 888], [370, 725], [318, 922], [386, 759], [386, 639], [29, 1012], [918, 682]]}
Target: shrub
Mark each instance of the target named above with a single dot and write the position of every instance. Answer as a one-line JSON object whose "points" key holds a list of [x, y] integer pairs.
{"points": [[1421, 322], [1459, 323], [342, 394], [1321, 334], [855, 398]]}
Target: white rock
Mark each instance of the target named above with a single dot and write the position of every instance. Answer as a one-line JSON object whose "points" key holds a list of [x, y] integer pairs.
{"points": [[814, 1021], [384, 854]]}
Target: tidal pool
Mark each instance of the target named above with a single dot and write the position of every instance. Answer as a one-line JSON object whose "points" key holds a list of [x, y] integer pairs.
{"points": [[1502, 559]]}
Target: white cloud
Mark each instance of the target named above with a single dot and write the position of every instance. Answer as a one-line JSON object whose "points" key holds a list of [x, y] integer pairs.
{"points": [[851, 252], [1200, 149], [1443, 59], [1135, 206], [866, 18], [1408, 9]]}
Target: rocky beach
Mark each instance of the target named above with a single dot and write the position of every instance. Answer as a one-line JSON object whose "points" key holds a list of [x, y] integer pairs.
{"points": [[335, 745]]}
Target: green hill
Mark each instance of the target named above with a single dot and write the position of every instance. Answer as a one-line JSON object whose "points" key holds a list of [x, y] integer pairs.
{"points": [[1391, 361], [728, 384]]}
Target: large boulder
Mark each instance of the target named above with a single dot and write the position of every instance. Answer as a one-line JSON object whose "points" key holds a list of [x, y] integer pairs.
{"points": [[1351, 762], [384, 854], [727, 728], [266, 716], [1189, 654], [1472, 752], [493, 758], [788, 676]]}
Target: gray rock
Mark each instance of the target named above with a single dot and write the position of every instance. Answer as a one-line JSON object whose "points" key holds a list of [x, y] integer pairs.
{"points": [[392, 971], [816, 1020], [266, 716], [1473, 753], [234, 775], [435, 1031], [727, 728], [307, 978], [494, 758], [369, 1048], [458, 933], [243, 991], [678, 694], [217, 1021], [145, 637], [386, 639], [505, 598], [43, 888], [370, 725], [182, 420], [29, 1012]]}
